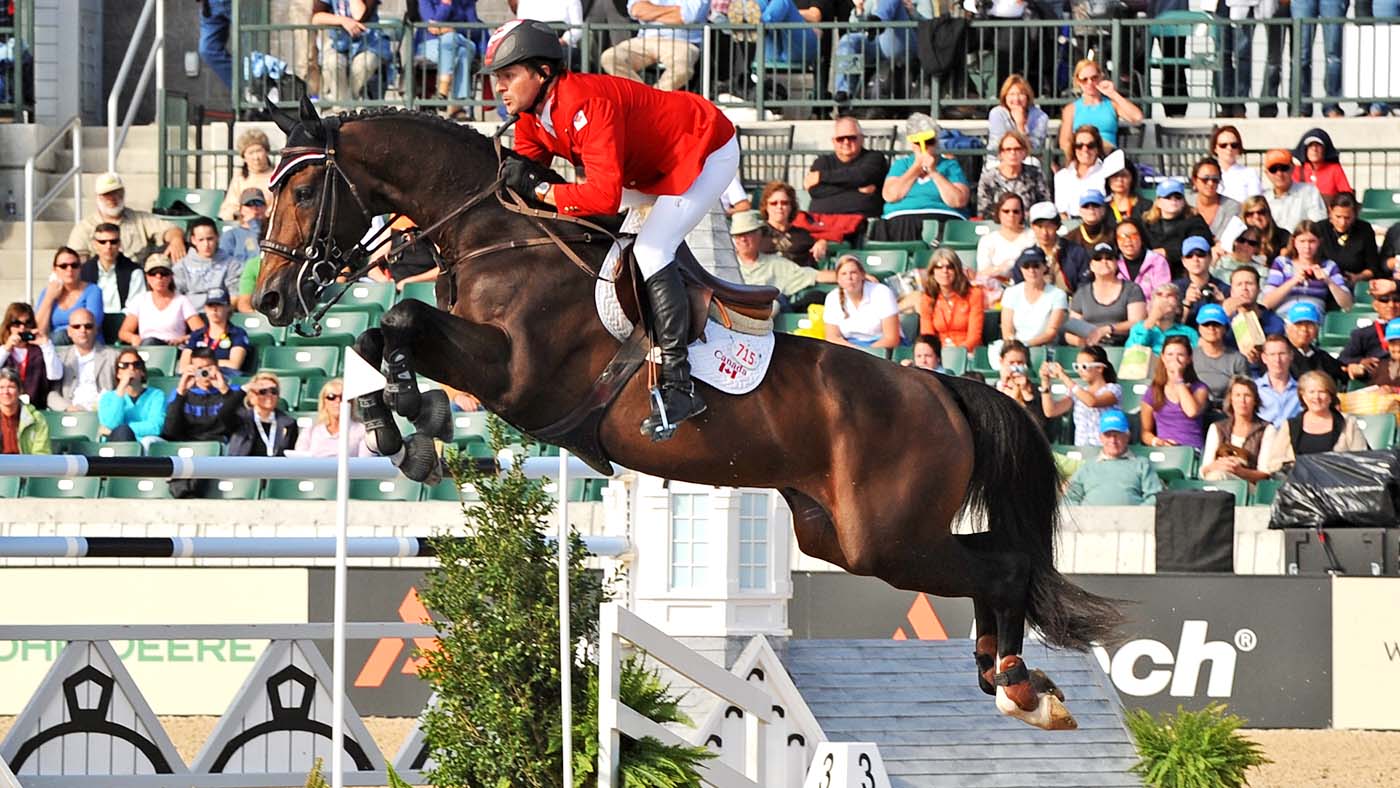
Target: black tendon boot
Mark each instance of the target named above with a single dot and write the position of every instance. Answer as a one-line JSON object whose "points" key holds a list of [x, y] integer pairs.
{"points": [[677, 399]]}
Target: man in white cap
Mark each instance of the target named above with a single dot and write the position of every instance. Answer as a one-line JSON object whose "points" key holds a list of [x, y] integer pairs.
{"points": [[141, 231], [771, 269]]}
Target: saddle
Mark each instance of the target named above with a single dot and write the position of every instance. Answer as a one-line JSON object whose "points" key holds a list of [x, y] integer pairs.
{"points": [[744, 308]]}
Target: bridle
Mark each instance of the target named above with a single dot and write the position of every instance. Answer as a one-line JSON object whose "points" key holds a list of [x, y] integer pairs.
{"points": [[320, 261]]}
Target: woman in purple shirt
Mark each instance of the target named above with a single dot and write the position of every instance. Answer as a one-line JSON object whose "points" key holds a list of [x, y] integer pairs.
{"points": [[1174, 408]]}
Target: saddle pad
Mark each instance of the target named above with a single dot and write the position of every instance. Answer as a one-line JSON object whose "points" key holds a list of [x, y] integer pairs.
{"points": [[732, 362]]}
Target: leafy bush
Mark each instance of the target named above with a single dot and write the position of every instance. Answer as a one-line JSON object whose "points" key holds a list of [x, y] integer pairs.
{"points": [[494, 598], [1193, 749]]}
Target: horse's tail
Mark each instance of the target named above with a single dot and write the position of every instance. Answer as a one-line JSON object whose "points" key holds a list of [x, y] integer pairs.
{"points": [[1016, 484]]}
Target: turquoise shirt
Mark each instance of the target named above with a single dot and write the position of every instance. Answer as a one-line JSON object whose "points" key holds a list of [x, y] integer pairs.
{"points": [[1154, 337], [923, 196], [1125, 481], [1101, 116], [145, 415]]}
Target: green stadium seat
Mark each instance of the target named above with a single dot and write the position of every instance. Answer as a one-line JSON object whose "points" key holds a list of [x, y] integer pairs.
{"points": [[137, 488], [982, 363], [929, 233], [10, 486], [185, 449], [257, 325], [1337, 326], [954, 359], [471, 425], [160, 359], [79, 487], [377, 295], [1080, 453], [165, 383], [1381, 204], [1131, 401], [909, 327], [306, 419], [991, 326], [231, 489], [300, 490], [112, 324], [310, 396], [1238, 487], [72, 424], [910, 248], [1363, 300], [303, 361], [789, 322], [1265, 492], [1378, 429], [204, 202], [399, 489], [420, 291], [119, 449], [447, 490], [339, 329], [881, 263], [964, 234], [1066, 355], [1171, 462], [902, 353]]}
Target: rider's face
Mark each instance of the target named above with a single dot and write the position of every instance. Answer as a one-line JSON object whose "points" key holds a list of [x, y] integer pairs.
{"points": [[518, 87]]}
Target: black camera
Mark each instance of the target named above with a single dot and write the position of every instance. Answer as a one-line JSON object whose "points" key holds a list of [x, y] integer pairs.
{"points": [[1208, 292], [27, 336]]}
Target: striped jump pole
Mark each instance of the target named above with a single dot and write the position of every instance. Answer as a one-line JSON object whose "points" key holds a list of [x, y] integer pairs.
{"points": [[68, 466], [246, 546]]}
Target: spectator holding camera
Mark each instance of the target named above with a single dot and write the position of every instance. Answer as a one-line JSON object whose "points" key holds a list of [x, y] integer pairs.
{"points": [[159, 316], [30, 354], [204, 406], [132, 411], [1098, 392], [1198, 287], [23, 429], [1014, 380], [1301, 275]]}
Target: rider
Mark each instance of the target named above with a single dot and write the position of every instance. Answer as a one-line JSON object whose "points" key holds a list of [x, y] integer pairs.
{"points": [[631, 140]]}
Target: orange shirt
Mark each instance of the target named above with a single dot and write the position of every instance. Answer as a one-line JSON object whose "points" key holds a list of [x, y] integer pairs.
{"points": [[956, 319]]}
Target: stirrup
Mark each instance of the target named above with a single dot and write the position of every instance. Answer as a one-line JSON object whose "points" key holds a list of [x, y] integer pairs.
{"points": [[659, 426]]}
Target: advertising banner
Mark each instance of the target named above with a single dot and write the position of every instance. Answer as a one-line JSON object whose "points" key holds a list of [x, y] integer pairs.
{"points": [[1366, 652], [1262, 645], [175, 676]]}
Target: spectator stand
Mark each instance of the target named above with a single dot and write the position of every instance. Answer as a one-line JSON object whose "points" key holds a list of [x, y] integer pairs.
{"points": [[17, 60]]}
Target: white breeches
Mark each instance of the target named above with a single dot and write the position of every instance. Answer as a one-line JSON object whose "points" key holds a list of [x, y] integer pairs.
{"points": [[672, 217]]}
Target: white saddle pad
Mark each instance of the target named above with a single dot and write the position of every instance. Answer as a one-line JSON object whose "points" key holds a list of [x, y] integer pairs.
{"points": [[732, 362]]}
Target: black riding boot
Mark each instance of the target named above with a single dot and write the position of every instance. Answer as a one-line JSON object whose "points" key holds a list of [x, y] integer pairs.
{"points": [[670, 313]]}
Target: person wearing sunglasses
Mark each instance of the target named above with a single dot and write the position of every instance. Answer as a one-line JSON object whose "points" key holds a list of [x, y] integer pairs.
{"points": [[1272, 238], [1242, 251], [89, 367], [951, 307], [1099, 105], [323, 439], [845, 185], [1163, 321], [1367, 347], [132, 411], [1110, 304], [1086, 169], [1197, 286], [159, 316], [1010, 174], [922, 184], [1350, 242], [66, 292], [785, 226], [140, 230], [1236, 180], [262, 429], [23, 429], [1215, 361], [1385, 371], [29, 353], [1170, 221], [1213, 207], [1290, 202], [1096, 391], [204, 407], [1121, 191], [998, 250], [116, 275]]}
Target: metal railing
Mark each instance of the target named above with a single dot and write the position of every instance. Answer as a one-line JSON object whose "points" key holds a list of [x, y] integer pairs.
{"points": [[33, 207], [1174, 61], [116, 137], [17, 61]]}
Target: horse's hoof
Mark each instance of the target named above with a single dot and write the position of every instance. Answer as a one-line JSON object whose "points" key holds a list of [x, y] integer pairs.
{"points": [[1049, 713], [419, 460], [435, 416], [1043, 685], [385, 441]]}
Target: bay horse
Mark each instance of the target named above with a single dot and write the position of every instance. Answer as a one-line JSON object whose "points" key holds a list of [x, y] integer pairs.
{"points": [[875, 460]]}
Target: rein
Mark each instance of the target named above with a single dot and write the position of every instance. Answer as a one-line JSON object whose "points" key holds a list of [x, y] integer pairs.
{"points": [[317, 259]]}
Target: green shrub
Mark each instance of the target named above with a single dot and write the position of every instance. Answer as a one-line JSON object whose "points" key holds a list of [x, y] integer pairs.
{"points": [[1193, 749], [316, 779]]}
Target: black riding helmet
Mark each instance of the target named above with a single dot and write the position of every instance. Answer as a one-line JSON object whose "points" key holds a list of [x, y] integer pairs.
{"points": [[519, 40]]}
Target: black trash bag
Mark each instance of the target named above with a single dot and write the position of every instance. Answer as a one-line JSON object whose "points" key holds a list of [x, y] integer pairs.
{"points": [[1339, 489]]}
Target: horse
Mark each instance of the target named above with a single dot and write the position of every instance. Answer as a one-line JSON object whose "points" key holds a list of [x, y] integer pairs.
{"points": [[876, 461]]}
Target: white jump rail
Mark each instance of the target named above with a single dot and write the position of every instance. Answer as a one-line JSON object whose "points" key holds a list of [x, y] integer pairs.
{"points": [[76, 465], [618, 624]]}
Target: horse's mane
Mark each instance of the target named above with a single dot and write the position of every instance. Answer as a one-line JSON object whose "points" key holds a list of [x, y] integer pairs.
{"points": [[465, 133]]}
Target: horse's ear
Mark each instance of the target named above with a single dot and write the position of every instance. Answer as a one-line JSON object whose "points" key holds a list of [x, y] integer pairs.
{"points": [[310, 118], [284, 121]]}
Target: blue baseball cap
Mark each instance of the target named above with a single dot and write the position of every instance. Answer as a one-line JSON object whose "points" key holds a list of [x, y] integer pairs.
{"points": [[1169, 187], [1113, 420], [1392, 330], [1212, 313], [1091, 197], [1194, 243], [1303, 312]]}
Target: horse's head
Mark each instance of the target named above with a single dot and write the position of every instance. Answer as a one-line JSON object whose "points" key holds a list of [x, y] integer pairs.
{"points": [[315, 222]]}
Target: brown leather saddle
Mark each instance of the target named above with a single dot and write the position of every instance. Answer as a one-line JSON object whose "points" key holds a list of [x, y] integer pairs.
{"points": [[754, 302]]}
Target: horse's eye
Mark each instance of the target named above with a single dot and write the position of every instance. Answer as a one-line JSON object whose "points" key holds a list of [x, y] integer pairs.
{"points": [[303, 194]]}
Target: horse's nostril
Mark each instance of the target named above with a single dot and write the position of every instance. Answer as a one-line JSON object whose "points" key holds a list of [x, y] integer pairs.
{"points": [[270, 303]]}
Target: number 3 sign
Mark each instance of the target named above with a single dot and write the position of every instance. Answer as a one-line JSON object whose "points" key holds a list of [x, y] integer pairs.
{"points": [[847, 765]]}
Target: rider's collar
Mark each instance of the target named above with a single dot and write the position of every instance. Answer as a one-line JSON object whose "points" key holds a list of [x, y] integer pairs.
{"points": [[545, 120]]}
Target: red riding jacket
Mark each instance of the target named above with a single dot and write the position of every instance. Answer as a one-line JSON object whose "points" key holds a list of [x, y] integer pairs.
{"points": [[626, 135]]}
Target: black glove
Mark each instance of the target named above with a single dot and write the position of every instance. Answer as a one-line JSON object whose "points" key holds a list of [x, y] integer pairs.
{"points": [[523, 176]]}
